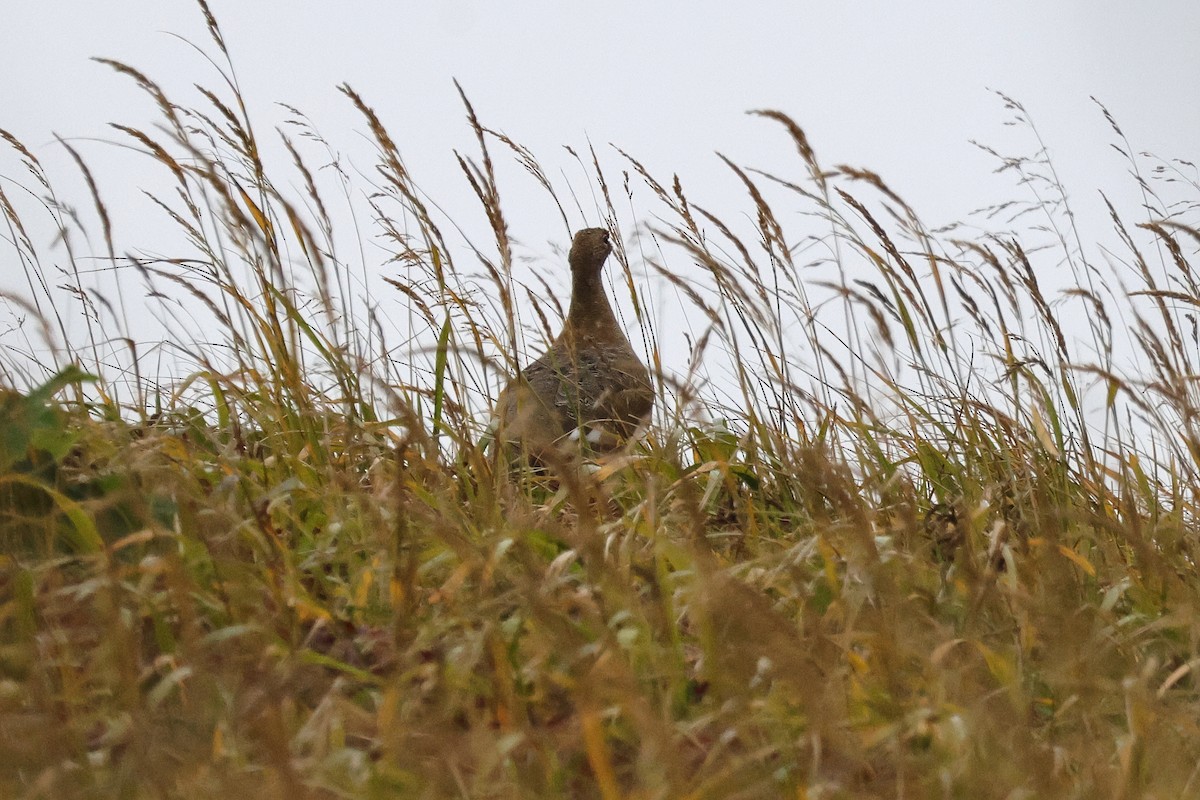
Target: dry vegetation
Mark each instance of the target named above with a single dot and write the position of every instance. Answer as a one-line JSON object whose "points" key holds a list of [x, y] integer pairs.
{"points": [[895, 532]]}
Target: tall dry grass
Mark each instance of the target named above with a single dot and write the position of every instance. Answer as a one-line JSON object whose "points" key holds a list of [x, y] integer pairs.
{"points": [[910, 521]]}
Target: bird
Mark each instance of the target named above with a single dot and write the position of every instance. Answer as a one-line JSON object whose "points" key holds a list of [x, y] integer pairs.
{"points": [[589, 392]]}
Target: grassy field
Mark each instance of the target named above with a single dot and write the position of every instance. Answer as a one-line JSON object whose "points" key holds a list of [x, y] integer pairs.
{"points": [[907, 522]]}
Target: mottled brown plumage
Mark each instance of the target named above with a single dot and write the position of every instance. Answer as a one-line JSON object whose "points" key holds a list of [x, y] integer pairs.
{"points": [[590, 385]]}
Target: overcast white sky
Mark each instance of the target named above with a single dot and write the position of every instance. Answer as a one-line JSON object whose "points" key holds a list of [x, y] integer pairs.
{"points": [[900, 88]]}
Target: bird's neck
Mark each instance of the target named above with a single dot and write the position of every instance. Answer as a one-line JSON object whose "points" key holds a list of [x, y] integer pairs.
{"points": [[590, 314]]}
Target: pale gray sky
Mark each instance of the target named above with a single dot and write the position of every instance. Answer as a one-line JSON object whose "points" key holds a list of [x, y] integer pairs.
{"points": [[895, 86], [900, 88]]}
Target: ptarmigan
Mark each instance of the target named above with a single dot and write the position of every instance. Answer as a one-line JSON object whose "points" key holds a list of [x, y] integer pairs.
{"points": [[589, 386]]}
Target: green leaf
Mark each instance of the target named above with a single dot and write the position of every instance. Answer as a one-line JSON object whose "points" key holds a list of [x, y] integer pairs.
{"points": [[34, 422], [439, 380], [83, 535]]}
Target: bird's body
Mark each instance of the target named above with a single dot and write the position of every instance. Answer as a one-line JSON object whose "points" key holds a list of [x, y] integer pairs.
{"points": [[590, 386]]}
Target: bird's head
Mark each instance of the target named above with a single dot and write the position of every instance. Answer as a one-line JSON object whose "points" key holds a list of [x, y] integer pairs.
{"points": [[589, 249]]}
